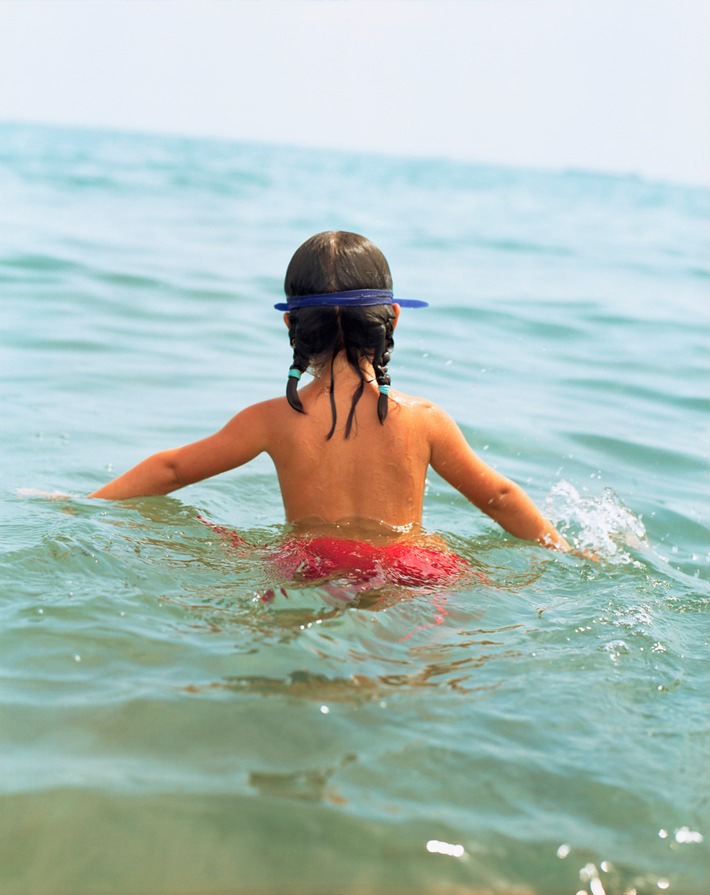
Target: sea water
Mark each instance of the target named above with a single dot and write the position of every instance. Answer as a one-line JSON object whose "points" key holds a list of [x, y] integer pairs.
{"points": [[165, 730]]}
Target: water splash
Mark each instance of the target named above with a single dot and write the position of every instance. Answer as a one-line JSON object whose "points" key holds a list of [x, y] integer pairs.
{"points": [[598, 524]]}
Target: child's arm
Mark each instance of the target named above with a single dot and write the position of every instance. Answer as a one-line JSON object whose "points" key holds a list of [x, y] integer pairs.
{"points": [[242, 439], [494, 494]]}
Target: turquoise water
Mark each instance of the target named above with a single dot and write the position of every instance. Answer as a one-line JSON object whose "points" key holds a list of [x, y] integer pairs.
{"points": [[162, 729]]}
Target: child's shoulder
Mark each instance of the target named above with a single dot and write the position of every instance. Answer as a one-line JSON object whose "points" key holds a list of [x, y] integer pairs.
{"points": [[423, 413], [262, 414], [432, 421], [416, 403]]}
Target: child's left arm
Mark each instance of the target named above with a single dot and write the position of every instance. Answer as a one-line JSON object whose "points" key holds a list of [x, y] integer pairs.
{"points": [[243, 438], [493, 493]]}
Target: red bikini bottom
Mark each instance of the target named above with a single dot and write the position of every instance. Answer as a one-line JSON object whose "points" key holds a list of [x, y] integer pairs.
{"points": [[322, 557], [411, 565]]}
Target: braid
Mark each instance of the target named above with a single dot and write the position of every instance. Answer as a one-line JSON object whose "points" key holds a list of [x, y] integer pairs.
{"points": [[298, 366], [379, 364]]}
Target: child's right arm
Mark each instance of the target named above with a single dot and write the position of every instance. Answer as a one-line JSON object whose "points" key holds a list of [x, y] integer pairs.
{"points": [[243, 438], [494, 494]]}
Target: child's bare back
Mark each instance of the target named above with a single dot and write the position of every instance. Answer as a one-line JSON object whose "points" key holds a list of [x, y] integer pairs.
{"points": [[378, 473]]}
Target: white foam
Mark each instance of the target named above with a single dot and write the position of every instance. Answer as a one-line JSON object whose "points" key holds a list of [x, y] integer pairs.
{"points": [[599, 524]]}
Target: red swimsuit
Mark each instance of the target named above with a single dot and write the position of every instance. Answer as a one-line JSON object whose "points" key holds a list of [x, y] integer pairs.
{"points": [[411, 565], [322, 557]]}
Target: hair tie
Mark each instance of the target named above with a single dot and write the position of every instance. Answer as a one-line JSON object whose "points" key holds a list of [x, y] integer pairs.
{"points": [[294, 373], [384, 389]]}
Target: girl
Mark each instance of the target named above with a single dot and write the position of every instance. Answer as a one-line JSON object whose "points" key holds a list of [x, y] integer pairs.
{"points": [[347, 447]]}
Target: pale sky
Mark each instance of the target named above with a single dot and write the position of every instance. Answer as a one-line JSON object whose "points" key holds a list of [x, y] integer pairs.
{"points": [[612, 85]]}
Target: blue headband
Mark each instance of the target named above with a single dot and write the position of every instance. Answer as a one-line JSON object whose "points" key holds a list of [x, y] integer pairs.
{"points": [[354, 298]]}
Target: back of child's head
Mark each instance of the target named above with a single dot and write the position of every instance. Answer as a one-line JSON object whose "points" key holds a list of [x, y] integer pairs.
{"points": [[334, 262]]}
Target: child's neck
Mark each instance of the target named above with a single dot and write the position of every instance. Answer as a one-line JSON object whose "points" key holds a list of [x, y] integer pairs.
{"points": [[341, 368]]}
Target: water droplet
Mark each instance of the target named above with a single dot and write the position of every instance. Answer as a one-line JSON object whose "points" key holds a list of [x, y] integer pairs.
{"points": [[588, 872], [658, 648], [685, 834], [435, 846]]}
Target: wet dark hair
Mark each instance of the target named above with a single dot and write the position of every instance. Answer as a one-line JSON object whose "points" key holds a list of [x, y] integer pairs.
{"points": [[337, 261]]}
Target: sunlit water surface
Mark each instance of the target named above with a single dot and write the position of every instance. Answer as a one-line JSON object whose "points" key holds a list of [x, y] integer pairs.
{"points": [[164, 729]]}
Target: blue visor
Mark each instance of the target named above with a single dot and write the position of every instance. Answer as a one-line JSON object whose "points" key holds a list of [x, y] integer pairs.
{"points": [[355, 298]]}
